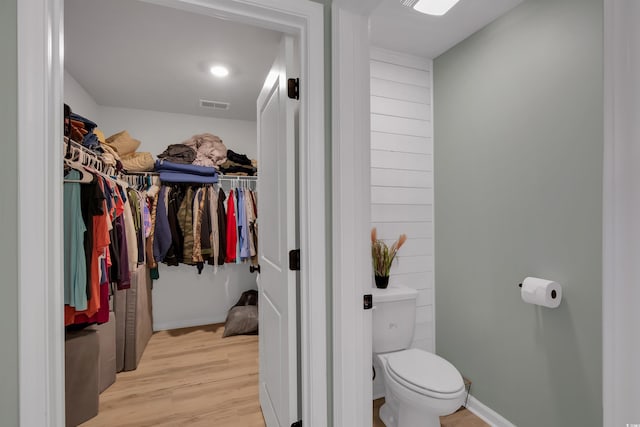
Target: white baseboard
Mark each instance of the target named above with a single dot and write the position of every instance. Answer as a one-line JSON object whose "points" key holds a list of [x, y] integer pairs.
{"points": [[487, 414], [167, 326]]}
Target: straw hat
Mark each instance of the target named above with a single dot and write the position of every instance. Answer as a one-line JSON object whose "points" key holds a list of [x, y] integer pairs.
{"points": [[123, 143]]}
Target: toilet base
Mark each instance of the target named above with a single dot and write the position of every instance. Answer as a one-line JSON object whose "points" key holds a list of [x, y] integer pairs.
{"points": [[411, 418], [386, 416], [408, 418]]}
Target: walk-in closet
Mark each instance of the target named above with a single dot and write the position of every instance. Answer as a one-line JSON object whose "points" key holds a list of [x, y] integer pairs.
{"points": [[162, 217]]}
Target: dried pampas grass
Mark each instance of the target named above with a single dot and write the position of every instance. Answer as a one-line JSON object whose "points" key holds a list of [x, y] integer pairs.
{"points": [[382, 255]]}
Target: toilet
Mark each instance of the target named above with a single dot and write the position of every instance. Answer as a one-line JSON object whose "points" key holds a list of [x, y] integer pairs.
{"points": [[419, 386]]}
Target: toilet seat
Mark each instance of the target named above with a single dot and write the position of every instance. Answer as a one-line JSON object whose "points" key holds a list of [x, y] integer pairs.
{"points": [[425, 373]]}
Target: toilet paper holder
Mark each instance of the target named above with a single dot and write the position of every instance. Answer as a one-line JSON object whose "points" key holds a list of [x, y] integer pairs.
{"points": [[554, 294]]}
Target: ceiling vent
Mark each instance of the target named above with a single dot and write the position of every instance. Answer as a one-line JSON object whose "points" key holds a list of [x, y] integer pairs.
{"points": [[408, 3], [215, 105]]}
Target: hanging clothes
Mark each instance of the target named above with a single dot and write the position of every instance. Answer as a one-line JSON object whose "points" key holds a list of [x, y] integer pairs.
{"points": [[185, 219], [206, 225], [151, 261], [198, 210], [237, 207], [162, 238], [231, 229], [243, 226], [213, 216], [251, 222], [222, 228]]}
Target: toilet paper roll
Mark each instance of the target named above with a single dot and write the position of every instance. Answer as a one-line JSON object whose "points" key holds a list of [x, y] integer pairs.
{"points": [[546, 293]]}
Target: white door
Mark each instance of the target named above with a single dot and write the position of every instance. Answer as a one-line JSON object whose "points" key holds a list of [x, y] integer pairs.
{"points": [[276, 230]]}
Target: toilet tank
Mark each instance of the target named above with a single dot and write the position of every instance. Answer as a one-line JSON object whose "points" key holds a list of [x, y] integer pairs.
{"points": [[394, 318]]}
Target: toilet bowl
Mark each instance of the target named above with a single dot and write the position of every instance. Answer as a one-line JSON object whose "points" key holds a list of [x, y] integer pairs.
{"points": [[420, 386]]}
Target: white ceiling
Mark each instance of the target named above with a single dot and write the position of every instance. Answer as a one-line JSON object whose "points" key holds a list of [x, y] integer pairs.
{"points": [[137, 55], [400, 28]]}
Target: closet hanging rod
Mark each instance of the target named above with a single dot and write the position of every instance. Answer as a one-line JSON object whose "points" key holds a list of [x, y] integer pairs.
{"points": [[237, 178], [141, 173]]}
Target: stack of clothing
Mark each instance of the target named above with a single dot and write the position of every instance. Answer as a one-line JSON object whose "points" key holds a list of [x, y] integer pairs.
{"points": [[82, 130], [209, 151], [238, 165], [171, 172], [200, 150]]}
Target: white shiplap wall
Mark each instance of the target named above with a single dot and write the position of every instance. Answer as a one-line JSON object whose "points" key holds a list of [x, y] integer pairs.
{"points": [[402, 174]]}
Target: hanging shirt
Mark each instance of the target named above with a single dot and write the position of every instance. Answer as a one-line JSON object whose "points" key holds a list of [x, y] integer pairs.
{"points": [[185, 219], [198, 208], [151, 261], [75, 267], [215, 239], [222, 228], [146, 217], [231, 229], [254, 227], [131, 238], [243, 225], [162, 234], [251, 219], [237, 206], [205, 226]]}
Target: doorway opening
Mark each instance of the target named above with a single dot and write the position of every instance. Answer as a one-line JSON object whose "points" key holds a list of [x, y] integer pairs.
{"points": [[154, 78], [303, 21]]}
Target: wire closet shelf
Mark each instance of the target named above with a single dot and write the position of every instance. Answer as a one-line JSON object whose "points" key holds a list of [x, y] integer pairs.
{"points": [[86, 157]]}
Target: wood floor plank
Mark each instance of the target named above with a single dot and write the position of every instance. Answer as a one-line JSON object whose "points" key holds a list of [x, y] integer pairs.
{"points": [[187, 377], [193, 377]]}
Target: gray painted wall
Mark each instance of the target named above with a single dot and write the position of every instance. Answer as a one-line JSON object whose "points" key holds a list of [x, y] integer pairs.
{"points": [[518, 192], [8, 215]]}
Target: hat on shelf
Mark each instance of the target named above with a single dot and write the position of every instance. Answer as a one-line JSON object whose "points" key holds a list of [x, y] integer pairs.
{"points": [[123, 143]]}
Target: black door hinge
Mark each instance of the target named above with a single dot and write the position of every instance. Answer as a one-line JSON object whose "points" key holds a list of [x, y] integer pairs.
{"points": [[368, 302], [254, 268], [297, 424], [293, 88], [294, 260]]}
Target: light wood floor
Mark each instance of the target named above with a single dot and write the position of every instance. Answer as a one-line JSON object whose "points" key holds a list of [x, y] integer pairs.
{"points": [[194, 377], [462, 418], [187, 377]]}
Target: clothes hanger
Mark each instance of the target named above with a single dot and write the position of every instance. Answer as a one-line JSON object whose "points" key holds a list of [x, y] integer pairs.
{"points": [[85, 178]]}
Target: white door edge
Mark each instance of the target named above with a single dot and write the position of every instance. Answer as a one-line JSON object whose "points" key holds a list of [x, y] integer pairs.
{"points": [[352, 345], [41, 334], [621, 270]]}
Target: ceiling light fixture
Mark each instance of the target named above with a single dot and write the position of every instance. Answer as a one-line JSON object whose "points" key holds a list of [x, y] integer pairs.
{"points": [[434, 7], [219, 71]]}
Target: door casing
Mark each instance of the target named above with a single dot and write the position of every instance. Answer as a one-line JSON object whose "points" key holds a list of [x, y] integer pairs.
{"points": [[40, 94]]}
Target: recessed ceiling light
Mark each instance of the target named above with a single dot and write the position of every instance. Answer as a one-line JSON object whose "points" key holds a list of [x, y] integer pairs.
{"points": [[434, 7], [219, 71]]}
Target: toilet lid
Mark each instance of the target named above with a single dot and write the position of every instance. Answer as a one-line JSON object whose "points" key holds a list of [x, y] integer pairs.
{"points": [[425, 371]]}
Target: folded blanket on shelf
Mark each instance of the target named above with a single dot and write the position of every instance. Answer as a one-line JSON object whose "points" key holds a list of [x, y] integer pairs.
{"points": [[163, 165], [181, 177]]}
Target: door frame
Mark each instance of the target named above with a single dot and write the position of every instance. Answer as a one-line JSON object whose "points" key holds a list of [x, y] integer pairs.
{"points": [[352, 339], [40, 99], [621, 207]]}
